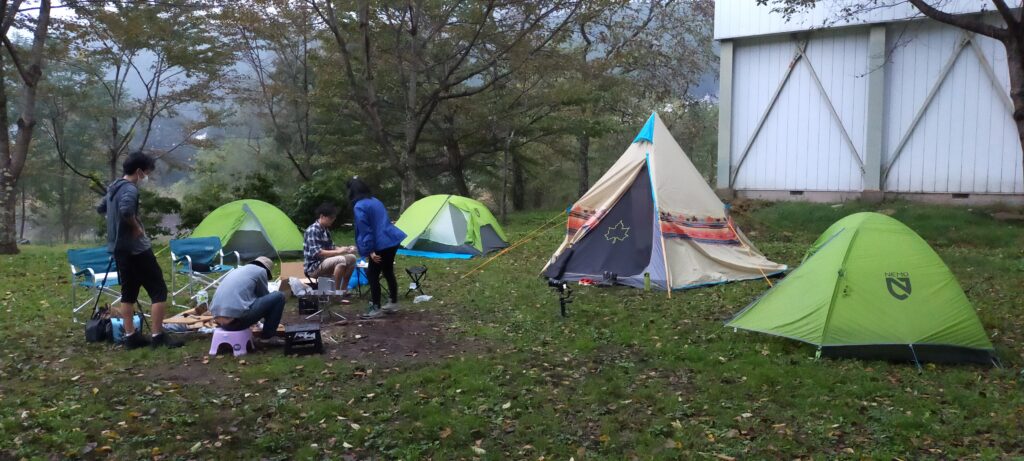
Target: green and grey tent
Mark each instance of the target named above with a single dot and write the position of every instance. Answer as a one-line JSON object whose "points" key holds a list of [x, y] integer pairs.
{"points": [[450, 226], [252, 228], [870, 287]]}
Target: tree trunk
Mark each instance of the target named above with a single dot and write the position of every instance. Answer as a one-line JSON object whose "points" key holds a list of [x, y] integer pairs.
{"points": [[584, 165], [12, 156], [518, 184], [8, 205], [408, 188], [455, 168], [504, 183], [1015, 64], [24, 216]]}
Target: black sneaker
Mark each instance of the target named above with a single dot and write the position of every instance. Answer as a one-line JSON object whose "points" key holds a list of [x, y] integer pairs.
{"points": [[274, 341], [135, 340], [163, 339]]}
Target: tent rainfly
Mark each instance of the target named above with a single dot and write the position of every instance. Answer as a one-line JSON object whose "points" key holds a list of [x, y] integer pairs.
{"points": [[652, 213], [252, 228], [450, 226], [870, 287]]}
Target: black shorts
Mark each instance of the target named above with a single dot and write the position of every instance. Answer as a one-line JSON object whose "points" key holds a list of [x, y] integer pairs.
{"points": [[140, 271]]}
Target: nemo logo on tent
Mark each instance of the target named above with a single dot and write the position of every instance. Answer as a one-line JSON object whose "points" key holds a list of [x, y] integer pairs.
{"points": [[898, 284]]}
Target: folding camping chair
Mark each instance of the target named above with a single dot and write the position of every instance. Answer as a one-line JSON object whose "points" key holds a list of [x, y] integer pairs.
{"points": [[201, 260], [94, 270]]}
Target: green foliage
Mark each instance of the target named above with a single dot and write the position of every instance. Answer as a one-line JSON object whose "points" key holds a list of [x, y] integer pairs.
{"points": [[153, 208], [211, 195], [228, 172], [324, 186]]}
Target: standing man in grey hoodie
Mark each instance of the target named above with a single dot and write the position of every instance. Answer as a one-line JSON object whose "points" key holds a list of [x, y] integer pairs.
{"points": [[136, 264]]}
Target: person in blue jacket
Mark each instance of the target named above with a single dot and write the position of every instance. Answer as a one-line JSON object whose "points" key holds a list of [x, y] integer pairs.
{"points": [[378, 241]]}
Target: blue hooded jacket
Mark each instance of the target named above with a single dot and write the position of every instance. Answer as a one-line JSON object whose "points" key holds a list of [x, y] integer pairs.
{"points": [[374, 231]]}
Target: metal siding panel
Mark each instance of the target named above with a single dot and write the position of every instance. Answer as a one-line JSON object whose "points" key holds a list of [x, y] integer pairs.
{"points": [[744, 18], [966, 141], [801, 146], [760, 67]]}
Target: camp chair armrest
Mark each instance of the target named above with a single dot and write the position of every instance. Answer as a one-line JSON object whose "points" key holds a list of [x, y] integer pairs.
{"points": [[87, 271], [187, 261], [238, 257]]}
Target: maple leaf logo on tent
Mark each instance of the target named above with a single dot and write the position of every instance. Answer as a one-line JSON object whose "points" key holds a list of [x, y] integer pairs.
{"points": [[617, 233]]}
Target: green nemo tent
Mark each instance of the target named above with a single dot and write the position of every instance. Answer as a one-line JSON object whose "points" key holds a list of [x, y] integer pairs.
{"points": [[449, 227], [870, 287], [252, 228]]}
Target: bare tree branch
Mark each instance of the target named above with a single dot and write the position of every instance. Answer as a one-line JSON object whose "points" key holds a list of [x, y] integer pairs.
{"points": [[973, 24]]}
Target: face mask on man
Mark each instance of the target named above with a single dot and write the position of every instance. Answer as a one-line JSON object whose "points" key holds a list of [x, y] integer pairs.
{"points": [[144, 180]]}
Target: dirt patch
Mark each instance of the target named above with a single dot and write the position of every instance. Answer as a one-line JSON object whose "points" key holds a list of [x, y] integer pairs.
{"points": [[409, 336]]}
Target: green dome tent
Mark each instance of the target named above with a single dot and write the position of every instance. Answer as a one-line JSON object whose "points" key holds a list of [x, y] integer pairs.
{"points": [[252, 228], [871, 287], [450, 226]]}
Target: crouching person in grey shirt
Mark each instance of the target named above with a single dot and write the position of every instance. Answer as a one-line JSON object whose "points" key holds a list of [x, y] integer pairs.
{"points": [[242, 299]]}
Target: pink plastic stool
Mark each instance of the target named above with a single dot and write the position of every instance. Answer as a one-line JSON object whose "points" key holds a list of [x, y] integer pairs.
{"points": [[240, 341]]}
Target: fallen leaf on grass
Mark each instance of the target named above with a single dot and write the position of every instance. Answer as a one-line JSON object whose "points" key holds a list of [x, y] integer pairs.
{"points": [[446, 432], [196, 447], [725, 457], [507, 405], [346, 445], [478, 450], [261, 381], [355, 427], [76, 377]]}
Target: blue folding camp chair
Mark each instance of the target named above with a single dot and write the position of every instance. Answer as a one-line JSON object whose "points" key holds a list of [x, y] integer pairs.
{"points": [[201, 260], [89, 266]]}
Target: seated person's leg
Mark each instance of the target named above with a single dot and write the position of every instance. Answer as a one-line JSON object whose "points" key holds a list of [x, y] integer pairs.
{"points": [[330, 267], [272, 308], [268, 308], [350, 266]]}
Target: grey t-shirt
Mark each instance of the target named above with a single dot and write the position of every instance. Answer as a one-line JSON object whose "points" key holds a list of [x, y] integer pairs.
{"points": [[238, 290], [120, 203]]}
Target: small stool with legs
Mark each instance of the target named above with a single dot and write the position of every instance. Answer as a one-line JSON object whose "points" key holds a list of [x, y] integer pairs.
{"points": [[417, 274]]}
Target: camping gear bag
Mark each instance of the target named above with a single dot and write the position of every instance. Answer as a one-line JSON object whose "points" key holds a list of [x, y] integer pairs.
{"points": [[117, 327], [98, 327]]}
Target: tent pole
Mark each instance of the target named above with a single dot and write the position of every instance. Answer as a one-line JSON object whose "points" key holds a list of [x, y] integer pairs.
{"points": [[916, 361], [664, 257], [657, 226]]}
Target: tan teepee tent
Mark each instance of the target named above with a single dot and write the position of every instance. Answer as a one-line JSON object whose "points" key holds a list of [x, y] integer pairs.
{"points": [[652, 213]]}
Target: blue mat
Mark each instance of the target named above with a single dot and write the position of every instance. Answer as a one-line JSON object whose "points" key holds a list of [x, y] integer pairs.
{"points": [[431, 254]]}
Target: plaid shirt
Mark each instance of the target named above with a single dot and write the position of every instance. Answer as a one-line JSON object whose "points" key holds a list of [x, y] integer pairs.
{"points": [[316, 238]]}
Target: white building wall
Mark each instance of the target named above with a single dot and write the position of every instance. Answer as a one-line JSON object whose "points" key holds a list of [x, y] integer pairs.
{"points": [[964, 141], [801, 144], [745, 18]]}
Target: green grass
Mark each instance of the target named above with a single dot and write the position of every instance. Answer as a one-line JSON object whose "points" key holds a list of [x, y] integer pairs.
{"points": [[630, 374]]}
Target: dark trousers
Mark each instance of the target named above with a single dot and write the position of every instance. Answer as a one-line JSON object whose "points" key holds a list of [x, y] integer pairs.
{"points": [[386, 266], [269, 308]]}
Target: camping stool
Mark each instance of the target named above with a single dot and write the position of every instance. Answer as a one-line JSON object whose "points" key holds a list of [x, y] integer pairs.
{"points": [[303, 336], [240, 341], [417, 274]]}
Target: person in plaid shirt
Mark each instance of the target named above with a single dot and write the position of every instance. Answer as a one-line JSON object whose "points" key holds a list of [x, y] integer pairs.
{"points": [[321, 257]]}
